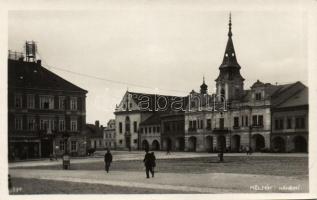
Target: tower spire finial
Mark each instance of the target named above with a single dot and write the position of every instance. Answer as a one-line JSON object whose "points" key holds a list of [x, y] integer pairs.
{"points": [[203, 78], [230, 33]]}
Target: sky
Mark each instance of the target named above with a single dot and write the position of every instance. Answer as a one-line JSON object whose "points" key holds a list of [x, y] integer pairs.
{"points": [[164, 50]]}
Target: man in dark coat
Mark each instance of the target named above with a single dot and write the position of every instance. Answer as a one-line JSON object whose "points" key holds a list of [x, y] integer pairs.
{"points": [[153, 163], [147, 163], [108, 160]]}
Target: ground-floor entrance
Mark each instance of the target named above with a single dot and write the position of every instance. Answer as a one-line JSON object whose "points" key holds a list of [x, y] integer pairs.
{"points": [[21, 150]]}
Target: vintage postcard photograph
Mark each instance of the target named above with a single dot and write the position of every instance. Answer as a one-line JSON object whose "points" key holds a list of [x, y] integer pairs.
{"points": [[158, 97]]}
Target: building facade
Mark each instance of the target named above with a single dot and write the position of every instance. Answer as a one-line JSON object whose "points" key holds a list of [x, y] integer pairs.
{"points": [[290, 124], [150, 132], [235, 119], [109, 135], [138, 119], [265, 117], [46, 113], [173, 132], [94, 136]]}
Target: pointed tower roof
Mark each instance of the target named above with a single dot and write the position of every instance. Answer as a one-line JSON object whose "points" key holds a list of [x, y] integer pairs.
{"points": [[229, 58]]}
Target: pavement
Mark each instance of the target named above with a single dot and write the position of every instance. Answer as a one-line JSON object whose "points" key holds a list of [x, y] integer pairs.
{"points": [[139, 155], [201, 183]]}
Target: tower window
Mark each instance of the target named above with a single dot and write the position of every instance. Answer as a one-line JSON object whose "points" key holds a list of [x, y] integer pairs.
{"points": [[226, 55], [232, 54]]}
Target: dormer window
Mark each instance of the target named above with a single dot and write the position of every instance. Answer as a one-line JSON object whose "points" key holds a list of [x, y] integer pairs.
{"points": [[258, 96]]}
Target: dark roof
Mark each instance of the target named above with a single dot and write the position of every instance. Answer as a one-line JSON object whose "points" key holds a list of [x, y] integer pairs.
{"points": [[154, 119], [158, 100], [298, 99], [92, 130], [284, 92], [277, 93], [33, 75]]}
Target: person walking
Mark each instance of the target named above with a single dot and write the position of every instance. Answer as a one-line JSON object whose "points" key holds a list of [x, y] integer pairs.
{"points": [[153, 163], [147, 163], [220, 155], [108, 160], [168, 150]]}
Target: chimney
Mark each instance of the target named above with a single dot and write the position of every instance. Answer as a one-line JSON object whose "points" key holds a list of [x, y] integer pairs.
{"points": [[97, 123], [39, 62]]}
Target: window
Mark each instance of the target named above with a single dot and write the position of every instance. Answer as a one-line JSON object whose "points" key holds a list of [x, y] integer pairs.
{"points": [[73, 125], [221, 123], [242, 121], [141, 130], [30, 101], [43, 124], [31, 124], [150, 129], [222, 93], [135, 126], [254, 120], [201, 124], [300, 122], [73, 103], [246, 121], [236, 122], [61, 102], [130, 105], [47, 124], [18, 123], [127, 124], [18, 101], [158, 129], [120, 141], [73, 146], [62, 145], [135, 141], [190, 124], [208, 124], [192, 104], [258, 96], [120, 127], [257, 120], [61, 125], [279, 124], [289, 123], [46, 102], [260, 120], [167, 127], [145, 130], [194, 125]]}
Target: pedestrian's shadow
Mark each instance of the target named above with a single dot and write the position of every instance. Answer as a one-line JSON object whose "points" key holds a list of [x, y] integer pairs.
{"points": [[216, 161]]}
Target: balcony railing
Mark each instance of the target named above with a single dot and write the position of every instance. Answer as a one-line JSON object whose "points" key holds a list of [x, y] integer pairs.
{"points": [[220, 130], [257, 125]]}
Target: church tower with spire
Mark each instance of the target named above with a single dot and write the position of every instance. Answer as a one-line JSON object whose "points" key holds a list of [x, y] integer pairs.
{"points": [[229, 82]]}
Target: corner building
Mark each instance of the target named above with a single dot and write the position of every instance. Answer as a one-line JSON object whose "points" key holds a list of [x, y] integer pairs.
{"points": [[235, 119]]}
